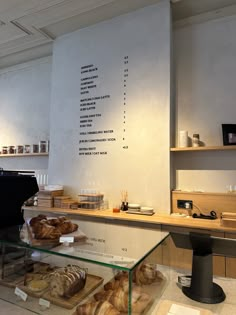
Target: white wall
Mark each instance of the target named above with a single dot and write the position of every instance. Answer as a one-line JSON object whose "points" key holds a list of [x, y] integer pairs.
{"points": [[143, 168], [205, 57], [24, 110]]}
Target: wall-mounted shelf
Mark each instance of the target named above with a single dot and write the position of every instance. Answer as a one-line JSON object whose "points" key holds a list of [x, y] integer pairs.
{"points": [[23, 154], [212, 148]]}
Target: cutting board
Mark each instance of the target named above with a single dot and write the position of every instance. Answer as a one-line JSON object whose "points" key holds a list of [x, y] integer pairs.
{"points": [[92, 283]]}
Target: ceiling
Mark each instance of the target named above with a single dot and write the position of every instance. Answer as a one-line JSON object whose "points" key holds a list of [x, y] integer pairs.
{"points": [[29, 27]]}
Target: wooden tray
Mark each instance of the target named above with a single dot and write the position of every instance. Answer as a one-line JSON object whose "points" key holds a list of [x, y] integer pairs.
{"points": [[12, 281], [92, 283]]}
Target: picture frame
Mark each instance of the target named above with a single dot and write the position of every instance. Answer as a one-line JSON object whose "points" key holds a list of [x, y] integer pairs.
{"points": [[229, 134]]}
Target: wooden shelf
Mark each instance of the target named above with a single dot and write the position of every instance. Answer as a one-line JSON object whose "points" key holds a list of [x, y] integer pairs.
{"points": [[23, 154], [212, 148], [166, 220]]}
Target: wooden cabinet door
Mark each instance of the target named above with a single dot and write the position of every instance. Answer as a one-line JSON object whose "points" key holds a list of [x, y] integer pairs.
{"points": [[230, 262]]}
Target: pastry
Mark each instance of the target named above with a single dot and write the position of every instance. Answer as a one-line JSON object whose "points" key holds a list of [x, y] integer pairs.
{"points": [[122, 282], [119, 299], [143, 274], [56, 221], [96, 308], [67, 227], [44, 228], [147, 273], [44, 231], [37, 219], [65, 282], [37, 285]]}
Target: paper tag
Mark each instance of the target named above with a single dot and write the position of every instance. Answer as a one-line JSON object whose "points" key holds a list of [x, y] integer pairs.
{"points": [[21, 294], [44, 303], [182, 310], [66, 239]]}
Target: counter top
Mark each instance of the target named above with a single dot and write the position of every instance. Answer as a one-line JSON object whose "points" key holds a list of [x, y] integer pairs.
{"points": [[160, 219]]}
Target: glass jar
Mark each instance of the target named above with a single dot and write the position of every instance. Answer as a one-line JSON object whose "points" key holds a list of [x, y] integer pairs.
{"points": [[11, 149], [4, 150], [27, 148], [196, 140], [42, 146], [20, 149], [35, 148]]}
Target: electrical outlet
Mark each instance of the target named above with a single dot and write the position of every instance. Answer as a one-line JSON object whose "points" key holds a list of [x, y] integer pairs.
{"points": [[185, 204]]}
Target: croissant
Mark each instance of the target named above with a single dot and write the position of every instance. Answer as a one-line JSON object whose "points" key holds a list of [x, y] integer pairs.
{"points": [[67, 227], [56, 221], [37, 219], [146, 274], [44, 231], [119, 299], [96, 308], [116, 283]]}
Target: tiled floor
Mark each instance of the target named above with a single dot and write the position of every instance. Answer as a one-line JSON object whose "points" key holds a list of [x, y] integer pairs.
{"points": [[172, 292]]}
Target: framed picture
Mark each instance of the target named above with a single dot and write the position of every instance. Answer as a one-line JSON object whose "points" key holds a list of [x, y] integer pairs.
{"points": [[229, 134]]}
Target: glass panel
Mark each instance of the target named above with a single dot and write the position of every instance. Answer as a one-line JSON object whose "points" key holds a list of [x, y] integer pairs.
{"points": [[127, 277]]}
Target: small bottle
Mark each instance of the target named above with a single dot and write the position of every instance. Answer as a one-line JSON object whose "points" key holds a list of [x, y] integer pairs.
{"points": [[196, 140]]}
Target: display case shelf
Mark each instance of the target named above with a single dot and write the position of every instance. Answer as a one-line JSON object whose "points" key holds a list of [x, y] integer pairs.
{"points": [[210, 148]]}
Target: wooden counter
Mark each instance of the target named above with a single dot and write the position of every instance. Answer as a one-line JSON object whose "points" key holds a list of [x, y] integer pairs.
{"points": [[159, 219], [179, 258]]}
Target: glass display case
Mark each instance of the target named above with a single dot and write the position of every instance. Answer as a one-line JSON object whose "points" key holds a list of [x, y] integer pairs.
{"points": [[97, 269]]}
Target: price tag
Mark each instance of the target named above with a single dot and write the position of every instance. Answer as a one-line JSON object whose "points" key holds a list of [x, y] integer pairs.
{"points": [[44, 303], [21, 294], [66, 239]]}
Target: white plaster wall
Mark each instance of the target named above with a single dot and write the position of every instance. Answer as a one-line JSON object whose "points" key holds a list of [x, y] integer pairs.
{"points": [[205, 65], [24, 110], [143, 169]]}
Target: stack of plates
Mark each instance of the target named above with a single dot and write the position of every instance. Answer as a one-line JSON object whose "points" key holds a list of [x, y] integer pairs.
{"points": [[136, 209], [134, 206]]}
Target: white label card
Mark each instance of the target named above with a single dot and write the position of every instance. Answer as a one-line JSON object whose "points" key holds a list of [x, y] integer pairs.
{"points": [[21, 294], [182, 310], [44, 303], [67, 239]]}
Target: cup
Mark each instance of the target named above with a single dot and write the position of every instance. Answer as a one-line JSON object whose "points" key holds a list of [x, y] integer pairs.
{"points": [[183, 138]]}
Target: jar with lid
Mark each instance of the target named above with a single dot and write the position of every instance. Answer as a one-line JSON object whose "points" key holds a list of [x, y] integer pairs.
{"points": [[4, 150], [11, 149], [196, 140], [27, 148], [20, 149], [35, 148], [42, 146]]}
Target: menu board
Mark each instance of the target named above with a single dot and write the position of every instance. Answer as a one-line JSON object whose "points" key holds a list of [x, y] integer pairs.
{"points": [[111, 108], [93, 132]]}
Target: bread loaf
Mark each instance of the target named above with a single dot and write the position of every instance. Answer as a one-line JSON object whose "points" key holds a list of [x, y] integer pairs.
{"points": [[65, 282], [96, 308]]}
